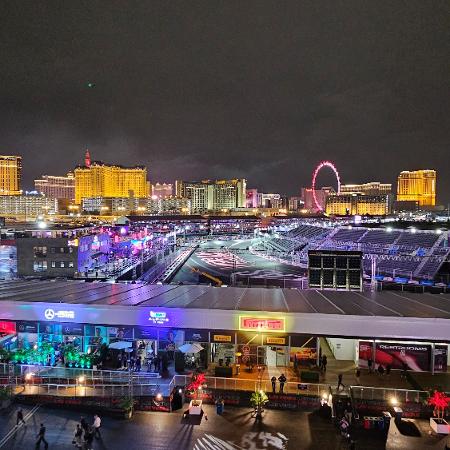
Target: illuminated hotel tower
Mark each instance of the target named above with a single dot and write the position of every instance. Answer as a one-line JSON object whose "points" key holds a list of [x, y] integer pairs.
{"points": [[10, 175], [97, 179], [418, 186]]}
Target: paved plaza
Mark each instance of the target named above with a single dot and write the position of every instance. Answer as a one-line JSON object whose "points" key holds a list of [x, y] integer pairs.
{"points": [[235, 430]]}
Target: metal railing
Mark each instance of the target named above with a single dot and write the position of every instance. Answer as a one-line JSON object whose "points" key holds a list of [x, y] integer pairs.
{"points": [[83, 390], [388, 394], [241, 384]]}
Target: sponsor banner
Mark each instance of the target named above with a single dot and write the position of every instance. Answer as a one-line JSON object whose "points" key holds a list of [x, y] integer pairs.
{"points": [[118, 333], [304, 356], [27, 327], [47, 328], [72, 329], [7, 328], [275, 340], [196, 335], [250, 323], [222, 336], [170, 339], [415, 357], [146, 333], [440, 358]]}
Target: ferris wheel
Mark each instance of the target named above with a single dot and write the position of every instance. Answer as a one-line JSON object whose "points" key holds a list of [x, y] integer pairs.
{"points": [[321, 165]]}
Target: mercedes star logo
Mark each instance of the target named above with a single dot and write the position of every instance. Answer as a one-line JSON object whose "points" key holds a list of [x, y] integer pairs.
{"points": [[49, 314]]}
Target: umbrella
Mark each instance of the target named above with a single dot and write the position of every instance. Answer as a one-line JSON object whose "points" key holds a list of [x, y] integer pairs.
{"points": [[120, 345], [190, 348]]}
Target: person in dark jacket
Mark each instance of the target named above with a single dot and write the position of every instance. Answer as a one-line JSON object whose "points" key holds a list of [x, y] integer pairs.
{"points": [[20, 417], [274, 383], [282, 379], [41, 437]]}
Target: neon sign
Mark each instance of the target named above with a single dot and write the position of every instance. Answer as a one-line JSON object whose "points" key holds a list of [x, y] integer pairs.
{"points": [[247, 323], [158, 317], [50, 314]]}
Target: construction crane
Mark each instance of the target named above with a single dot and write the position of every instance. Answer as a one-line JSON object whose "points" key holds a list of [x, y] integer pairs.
{"points": [[216, 280]]}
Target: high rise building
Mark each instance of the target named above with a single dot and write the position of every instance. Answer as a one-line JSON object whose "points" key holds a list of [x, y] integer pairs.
{"points": [[210, 195], [168, 205], [270, 200], [103, 180], [59, 187], [417, 186], [371, 188], [295, 204], [162, 190], [28, 206], [252, 198], [321, 195], [360, 204], [10, 175]]}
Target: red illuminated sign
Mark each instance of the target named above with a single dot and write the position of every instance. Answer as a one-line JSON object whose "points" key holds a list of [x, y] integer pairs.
{"points": [[260, 324]]}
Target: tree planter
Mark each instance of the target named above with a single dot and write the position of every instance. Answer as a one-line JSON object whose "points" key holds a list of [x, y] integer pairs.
{"points": [[439, 426], [128, 413], [195, 407]]}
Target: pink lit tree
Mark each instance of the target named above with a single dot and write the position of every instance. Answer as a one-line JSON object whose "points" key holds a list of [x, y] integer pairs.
{"points": [[440, 402], [197, 382]]}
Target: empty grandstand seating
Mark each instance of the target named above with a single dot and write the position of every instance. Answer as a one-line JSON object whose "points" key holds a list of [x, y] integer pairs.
{"points": [[380, 237], [308, 232], [416, 240], [416, 254], [349, 234]]}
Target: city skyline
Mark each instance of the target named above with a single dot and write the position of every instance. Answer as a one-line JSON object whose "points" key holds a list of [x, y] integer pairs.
{"points": [[213, 91]]}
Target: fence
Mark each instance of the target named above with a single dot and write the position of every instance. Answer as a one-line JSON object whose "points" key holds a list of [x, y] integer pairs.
{"points": [[238, 384], [387, 394]]}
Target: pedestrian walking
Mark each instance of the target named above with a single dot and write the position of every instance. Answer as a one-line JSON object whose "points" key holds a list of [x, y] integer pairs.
{"points": [[89, 438], [340, 383], [96, 426], [41, 437], [370, 364], [138, 364], [358, 376], [282, 379], [20, 417], [380, 370], [349, 412], [274, 383], [324, 363], [84, 424], [77, 441]]}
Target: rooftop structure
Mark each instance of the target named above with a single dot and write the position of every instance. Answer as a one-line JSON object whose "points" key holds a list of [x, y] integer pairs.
{"points": [[385, 314]]}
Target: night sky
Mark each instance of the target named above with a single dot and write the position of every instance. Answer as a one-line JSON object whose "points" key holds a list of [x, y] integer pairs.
{"points": [[204, 89]]}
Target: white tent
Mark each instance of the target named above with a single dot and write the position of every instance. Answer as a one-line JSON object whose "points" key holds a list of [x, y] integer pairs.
{"points": [[190, 348]]}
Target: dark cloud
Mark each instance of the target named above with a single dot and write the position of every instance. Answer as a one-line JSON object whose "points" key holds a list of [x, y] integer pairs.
{"points": [[211, 89]]}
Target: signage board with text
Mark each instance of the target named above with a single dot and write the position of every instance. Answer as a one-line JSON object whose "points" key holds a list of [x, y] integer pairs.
{"points": [[266, 324]]}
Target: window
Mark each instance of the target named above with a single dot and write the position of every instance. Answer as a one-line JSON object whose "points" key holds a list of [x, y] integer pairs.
{"points": [[62, 264], [40, 266], [53, 264], [53, 250], [40, 252], [61, 250], [70, 263]]}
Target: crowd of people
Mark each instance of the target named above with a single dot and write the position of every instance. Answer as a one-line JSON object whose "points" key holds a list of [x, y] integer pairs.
{"points": [[85, 433]]}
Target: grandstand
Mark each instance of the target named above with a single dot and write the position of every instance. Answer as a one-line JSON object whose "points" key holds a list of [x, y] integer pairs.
{"points": [[411, 254]]}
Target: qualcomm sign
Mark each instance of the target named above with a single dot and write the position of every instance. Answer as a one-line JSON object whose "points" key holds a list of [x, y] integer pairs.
{"points": [[51, 314], [158, 317]]}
